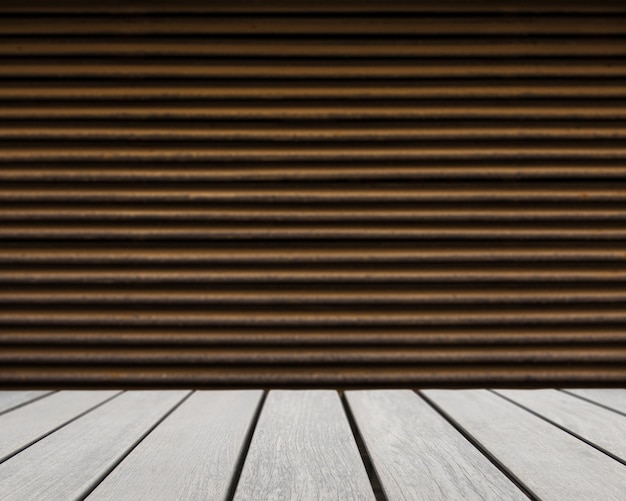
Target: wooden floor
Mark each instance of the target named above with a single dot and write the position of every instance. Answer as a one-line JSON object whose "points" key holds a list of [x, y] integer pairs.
{"points": [[317, 445]]}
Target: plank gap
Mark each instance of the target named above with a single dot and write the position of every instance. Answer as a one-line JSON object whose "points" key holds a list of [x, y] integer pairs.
{"points": [[26, 402], [575, 435], [245, 448], [369, 467], [62, 425], [121, 458], [485, 452], [594, 402]]}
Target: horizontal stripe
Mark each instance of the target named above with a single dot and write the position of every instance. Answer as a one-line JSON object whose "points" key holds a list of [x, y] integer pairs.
{"points": [[311, 356], [352, 23], [312, 376], [351, 6], [324, 172], [348, 89], [312, 194], [318, 111], [360, 47], [311, 252]]}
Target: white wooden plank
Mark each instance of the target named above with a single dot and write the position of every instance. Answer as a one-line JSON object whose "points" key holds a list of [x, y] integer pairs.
{"points": [[603, 428], [417, 454], [614, 398], [25, 425], [549, 461], [12, 399], [303, 448], [191, 455], [70, 462]]}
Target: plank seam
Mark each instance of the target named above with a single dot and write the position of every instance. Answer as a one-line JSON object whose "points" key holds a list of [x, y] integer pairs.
{"points": [[63, 425], [245, 448], [379, 492], [10, 409], [561, 427], [564, 390], [483, 450], [99, 479]]}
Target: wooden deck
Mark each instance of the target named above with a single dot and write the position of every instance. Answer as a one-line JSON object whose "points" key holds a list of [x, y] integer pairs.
{"points": [[317, 445]]}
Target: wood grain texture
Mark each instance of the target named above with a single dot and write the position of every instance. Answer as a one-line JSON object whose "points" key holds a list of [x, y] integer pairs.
{"points": [[192, 455], [601, 427], [303, 448], [12, 399], [417, 454], [614, 398], [69, 463], [349, 174], [313, 24], [550, 462], [27, 424]]}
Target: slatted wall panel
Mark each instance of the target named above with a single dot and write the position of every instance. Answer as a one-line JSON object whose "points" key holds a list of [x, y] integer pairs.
{"points": [[330, 193]]}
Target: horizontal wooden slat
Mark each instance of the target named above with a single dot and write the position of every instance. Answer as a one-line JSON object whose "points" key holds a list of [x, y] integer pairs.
{"points": [[350, 6], [192, 317], [354, 47], [352, 23], [309, 193], [350, 90], [404, 217], [320, 111], [278, 296], [311, 356], [303, 154], [277, 133], [247, 232], [574, 334], [375, 253], [312, 376], [331, 69], [307, 274], [349, 172], [337, 193]]}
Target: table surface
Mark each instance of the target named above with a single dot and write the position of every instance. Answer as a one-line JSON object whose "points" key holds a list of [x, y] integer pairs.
{"points": [[313, 444]]}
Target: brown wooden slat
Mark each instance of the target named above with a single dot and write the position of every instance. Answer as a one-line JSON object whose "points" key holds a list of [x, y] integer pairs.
{"points": [[311, 355], [350, 90], [332, 69], [349, 6], [311, 154], [307, 173], [442, 111], [311, 376], [390, 231], [340, 23], [33, 214], [103, 316], [323, 134], [274, 297], [182, 45], [312, 274], [310, 193], [334, 194], [574, 334], [377, 253]]}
